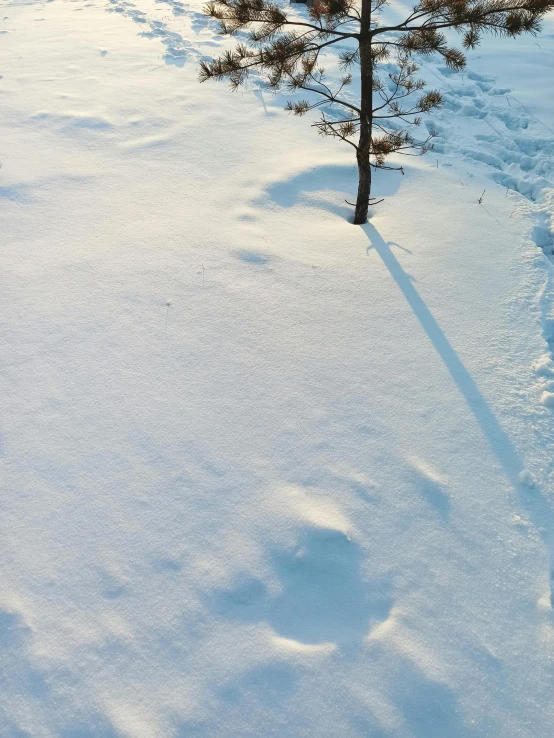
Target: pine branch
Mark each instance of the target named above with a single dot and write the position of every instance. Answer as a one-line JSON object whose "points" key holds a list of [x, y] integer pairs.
{"points": [[513, 17]]}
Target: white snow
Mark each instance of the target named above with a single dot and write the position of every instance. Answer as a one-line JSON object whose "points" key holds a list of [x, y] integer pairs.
{"points": [[266, 473]]}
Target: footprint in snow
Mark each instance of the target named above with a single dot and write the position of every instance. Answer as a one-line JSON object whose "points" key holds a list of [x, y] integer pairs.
{"points": [[251, 257]]}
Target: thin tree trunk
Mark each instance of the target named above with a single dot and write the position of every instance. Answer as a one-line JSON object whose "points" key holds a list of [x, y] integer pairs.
{"points": [[366, 117], [364, 176]]}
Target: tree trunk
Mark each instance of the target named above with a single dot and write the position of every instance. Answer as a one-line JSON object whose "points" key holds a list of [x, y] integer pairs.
{"points": [[366, 117], [364, 175]]}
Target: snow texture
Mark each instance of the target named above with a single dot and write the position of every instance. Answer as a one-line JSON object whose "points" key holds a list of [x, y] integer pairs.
{"points": [[266, 473]]}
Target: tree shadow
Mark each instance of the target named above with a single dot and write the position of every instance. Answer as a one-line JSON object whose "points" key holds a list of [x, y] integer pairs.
{"points": [[268, 684], [432, 491], [537, 506], [327, 187], [18, 666], [429, 708], [323, 596]]}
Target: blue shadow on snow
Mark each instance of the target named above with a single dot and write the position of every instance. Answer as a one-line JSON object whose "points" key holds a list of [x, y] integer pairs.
{"points": [[535, 503]]}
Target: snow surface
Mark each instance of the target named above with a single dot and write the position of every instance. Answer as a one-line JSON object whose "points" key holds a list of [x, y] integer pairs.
{"points": [[266, 473]]}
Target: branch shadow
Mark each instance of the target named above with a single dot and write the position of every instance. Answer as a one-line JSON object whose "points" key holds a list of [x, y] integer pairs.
{"points": [[536, 504]]}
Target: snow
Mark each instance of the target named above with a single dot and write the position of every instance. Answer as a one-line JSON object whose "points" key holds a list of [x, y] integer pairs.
{"points": [[265, 472], [526, 478]]}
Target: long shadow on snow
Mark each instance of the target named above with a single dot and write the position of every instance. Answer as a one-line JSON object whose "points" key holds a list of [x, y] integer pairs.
{"points": [[537, 506]]}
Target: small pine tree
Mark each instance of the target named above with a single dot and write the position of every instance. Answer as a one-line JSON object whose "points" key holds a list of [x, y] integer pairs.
{"points": [[377, 123]]}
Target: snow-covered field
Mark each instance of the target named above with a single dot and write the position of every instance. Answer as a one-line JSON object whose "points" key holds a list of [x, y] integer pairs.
{"points": [[265, 473]]}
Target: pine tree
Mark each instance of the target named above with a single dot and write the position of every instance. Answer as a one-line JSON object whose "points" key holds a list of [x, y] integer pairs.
{"points": [[378, 122]]}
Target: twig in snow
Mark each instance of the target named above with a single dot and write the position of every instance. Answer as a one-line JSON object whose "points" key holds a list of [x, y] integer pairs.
{"points": [[496, 219], [480, 200], [376, 202]]}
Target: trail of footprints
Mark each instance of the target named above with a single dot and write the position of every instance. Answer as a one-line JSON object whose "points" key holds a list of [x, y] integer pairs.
{"points": [[177, 48], [515, 148]]}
